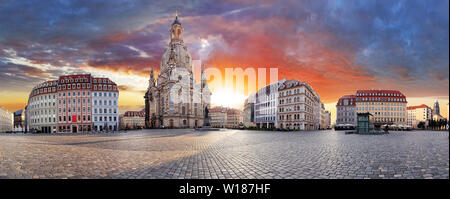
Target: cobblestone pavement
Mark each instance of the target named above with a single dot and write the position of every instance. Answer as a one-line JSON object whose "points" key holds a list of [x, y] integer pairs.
{"points": [[221, 154]]}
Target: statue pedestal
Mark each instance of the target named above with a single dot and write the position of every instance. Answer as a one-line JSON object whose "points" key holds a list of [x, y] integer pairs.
{"points": [[206, 126], [206, 122]]}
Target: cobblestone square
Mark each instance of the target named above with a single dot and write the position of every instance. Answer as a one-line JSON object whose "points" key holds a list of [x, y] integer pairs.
{"points": [[186, 154]]}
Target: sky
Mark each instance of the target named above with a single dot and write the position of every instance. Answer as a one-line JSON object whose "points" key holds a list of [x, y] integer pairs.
{"points": [[337, 46]]}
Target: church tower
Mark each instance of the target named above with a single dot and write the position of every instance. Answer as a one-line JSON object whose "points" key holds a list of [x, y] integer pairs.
{"points": [[436, 110], [174, 99], [177, 54], [151, 81], [176, 32]]}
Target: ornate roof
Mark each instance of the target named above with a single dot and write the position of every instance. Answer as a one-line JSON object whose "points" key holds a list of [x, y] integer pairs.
{"points": [[176, 21]]}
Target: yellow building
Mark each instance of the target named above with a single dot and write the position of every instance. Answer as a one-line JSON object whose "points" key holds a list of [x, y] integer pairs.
{"points": [[386, 106]]}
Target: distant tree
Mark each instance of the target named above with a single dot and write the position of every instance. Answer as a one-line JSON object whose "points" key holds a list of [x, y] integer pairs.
{"points": [[421, 125], [442, 123], [431, 124]]}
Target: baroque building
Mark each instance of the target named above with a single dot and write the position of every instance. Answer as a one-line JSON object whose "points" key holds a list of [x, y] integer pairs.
{"points": [[174, 99], [132, 120], [346, 112], [298, 106], [386, 106], [72, 104]]}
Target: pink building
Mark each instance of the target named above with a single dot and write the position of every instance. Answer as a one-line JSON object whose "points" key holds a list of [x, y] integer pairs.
{"points": [[74, 103]]}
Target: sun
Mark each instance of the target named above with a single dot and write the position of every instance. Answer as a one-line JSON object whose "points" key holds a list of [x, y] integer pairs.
{"points": [[227, 98]]}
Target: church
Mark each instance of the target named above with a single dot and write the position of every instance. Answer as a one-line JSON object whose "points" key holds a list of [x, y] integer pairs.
{"points": [[174, 99]]}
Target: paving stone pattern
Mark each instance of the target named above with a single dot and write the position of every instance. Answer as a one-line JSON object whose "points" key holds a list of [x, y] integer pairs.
{"points": [[186, 154]]}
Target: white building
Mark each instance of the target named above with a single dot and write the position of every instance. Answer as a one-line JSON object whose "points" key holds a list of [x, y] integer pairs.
{"points": [[417, 114], [41, 108], [6, 120], [105, 107], [266, 105]]}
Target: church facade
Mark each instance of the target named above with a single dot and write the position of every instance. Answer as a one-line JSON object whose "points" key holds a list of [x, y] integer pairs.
{"points": [[174, 99]]}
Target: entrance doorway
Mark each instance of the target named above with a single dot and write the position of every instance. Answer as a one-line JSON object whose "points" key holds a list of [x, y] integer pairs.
{"points": [[170, 123], [74, 129]]}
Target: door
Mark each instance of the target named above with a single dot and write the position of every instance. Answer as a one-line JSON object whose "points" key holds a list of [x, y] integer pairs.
{"points": [[74, 129], [171, 123]]}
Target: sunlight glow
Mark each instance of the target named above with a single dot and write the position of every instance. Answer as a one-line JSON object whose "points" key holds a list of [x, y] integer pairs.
{"points": [[227, 98]]}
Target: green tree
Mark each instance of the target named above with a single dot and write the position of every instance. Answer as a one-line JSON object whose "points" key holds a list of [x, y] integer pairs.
{"points": [[421, 125]]}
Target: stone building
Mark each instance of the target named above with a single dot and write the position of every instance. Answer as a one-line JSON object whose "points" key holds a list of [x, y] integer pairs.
{"points": [[249, 111], [19, 121], [328, 119], [346, 112], [132, 120], [174, 99], [323, 117], [6, 120], [299, 106], [223, 117], [218, 116], [234, 118]]}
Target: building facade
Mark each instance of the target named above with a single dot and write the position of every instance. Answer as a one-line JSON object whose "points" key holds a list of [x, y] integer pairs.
{"points": [[132, 120], [66, 105], [299, 106], [328, 119], [266, 103], [74, 103], [6, 120], [386, 106], [174, 99], [19, 121], [234, 118], [105, 97], [41, 108], [323, 125], [218, 117], [417, 114], [249, 111], [346, 111]]}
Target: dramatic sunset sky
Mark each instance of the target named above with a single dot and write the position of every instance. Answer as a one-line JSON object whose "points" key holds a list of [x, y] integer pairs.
{"points": [[336, 46]]}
